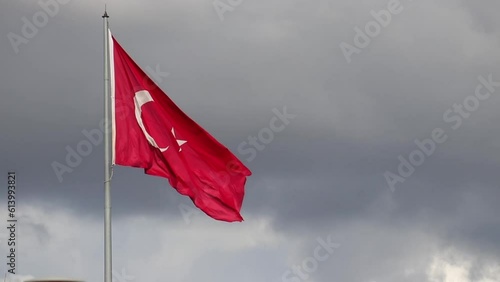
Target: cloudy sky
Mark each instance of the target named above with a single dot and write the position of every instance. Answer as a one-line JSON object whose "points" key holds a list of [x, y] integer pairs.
{"points": [[388, 172]]}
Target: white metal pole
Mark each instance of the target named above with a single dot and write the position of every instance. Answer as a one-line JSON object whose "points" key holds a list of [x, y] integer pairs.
{"points": [[107, 160]]}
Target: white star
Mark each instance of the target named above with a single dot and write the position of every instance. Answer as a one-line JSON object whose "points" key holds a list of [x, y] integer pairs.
{"points": [[179, 142]]}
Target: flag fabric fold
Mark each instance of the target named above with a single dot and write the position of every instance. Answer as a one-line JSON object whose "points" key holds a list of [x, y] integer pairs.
{"points": [[151, 132]]}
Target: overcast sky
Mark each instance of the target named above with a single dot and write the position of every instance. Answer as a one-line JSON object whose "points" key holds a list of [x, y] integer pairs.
{"points": [[427, 72]]}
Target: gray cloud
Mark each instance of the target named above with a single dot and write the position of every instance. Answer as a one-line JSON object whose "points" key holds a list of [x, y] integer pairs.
{"points": [[324, 174]]}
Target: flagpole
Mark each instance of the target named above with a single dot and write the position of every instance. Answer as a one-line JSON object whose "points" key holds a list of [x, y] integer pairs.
{"points": [[107, 160]]}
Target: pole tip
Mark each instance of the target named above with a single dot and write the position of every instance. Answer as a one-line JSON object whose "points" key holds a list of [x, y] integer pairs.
{"points": [[105, 12]]}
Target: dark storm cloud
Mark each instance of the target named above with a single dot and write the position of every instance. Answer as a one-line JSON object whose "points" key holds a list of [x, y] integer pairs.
{"points": [[325, 172]]}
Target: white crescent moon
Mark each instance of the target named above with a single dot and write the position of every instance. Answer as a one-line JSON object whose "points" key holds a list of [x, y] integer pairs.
{"points": [[142, 97]]}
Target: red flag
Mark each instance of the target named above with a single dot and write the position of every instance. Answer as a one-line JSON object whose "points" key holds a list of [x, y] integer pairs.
{"points": [[151, 132]]}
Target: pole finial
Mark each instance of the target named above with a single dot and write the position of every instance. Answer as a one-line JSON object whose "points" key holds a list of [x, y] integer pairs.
{"points": [[105, 12]]}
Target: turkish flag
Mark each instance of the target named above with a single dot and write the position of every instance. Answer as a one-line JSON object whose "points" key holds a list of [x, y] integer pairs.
{"points": [[151, 132]]}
